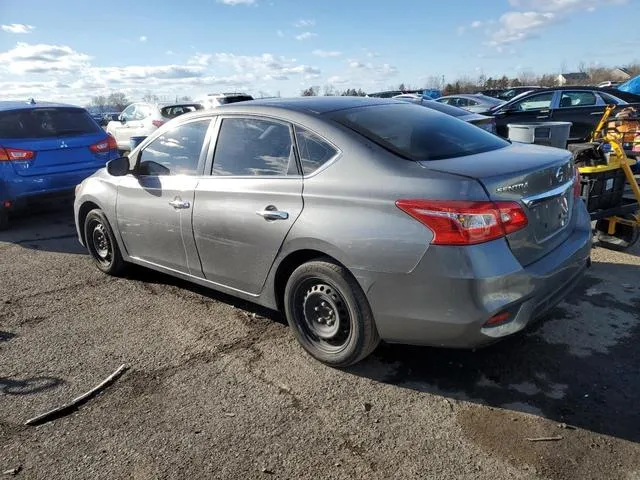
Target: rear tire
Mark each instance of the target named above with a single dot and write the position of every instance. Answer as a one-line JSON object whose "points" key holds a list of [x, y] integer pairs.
{"points": [[101, 244], [329, 314], [624, 237]]}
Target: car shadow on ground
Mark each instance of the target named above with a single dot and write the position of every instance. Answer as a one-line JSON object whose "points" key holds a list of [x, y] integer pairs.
{"points": [[48, 228], [558, 369]]}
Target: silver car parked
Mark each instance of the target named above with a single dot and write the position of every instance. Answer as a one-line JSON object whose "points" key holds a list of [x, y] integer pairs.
{"points": [[361, 219]]}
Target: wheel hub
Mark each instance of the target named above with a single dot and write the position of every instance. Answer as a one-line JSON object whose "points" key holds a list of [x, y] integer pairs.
{"points": [[101, 242], [321, 307]]}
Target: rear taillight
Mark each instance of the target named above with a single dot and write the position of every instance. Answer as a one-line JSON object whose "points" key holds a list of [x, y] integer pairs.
{"points": [[105, 145], [466, 223], [157, 123], [577, 187], [15, 154]]}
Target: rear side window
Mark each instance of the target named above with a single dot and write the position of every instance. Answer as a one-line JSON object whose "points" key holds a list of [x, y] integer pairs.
{"points": [[445, 108], [177, 150], [418, 133], [314, 151], [46, 123], [254, 147], [234, 99], [174, 111], [577, 99]]}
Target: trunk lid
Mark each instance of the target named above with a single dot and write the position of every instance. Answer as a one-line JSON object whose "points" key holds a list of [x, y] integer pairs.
{"points": [[59, 138], [539, 178]]}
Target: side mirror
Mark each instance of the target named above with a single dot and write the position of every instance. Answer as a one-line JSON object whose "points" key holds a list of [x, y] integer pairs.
{"points": [[152, 168], [118, 167]]}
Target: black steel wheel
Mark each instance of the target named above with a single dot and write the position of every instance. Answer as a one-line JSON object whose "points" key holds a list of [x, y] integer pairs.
{"points": [[623, 238], [101, 243], [329, 314]]}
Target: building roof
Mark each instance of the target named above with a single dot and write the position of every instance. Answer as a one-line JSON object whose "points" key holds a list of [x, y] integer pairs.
{"points": [[575, 76]]}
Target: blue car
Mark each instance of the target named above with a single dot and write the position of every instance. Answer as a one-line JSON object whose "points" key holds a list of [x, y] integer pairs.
{"points": [[46, 149]]}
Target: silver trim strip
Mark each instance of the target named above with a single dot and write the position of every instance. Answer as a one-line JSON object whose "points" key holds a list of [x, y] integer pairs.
{"points": [[533, 200]]}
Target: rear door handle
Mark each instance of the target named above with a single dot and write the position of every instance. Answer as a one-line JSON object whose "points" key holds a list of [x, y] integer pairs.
{"points": [[544, 114], [272, 213], [179, 204], [597, 113]]}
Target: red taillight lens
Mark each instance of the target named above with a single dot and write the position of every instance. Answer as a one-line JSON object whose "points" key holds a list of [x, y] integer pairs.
{"points": [[15, 154], [157, 123], [466, 223], [577, 187], [105, 145]]}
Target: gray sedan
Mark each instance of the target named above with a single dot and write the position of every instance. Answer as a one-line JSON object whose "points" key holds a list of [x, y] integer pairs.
{"points": [[476, 103], [361, 219]]}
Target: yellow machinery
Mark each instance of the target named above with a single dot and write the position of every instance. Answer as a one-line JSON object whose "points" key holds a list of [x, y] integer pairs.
{"points": [[603, 184]]}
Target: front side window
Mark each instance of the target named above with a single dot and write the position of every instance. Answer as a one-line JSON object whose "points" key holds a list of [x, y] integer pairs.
{"points": [[254, 147], [176, 151], [418, 133], [314, 151], [577, 99], [541, 101], [128, 112]]}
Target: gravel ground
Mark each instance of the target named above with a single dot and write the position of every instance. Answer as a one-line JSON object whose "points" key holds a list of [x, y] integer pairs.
{"points": [[218, 388]]}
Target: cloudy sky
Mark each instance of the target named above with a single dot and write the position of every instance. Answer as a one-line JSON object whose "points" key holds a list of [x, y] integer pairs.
{"points": [[73, 49]]}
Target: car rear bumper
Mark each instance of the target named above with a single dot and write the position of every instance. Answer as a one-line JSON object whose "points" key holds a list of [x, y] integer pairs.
{"points": [[447, 299], [21, 191]]}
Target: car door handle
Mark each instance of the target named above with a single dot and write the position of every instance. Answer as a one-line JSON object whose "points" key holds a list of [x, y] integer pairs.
{"points": [[597, 113], [178, 204], [272, 213]]}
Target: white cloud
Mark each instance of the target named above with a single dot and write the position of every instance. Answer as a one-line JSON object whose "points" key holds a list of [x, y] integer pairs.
{"points": [[518, 26], [17, 28], [460, 30], [143, 38], [237, 2], [304, 23], [476, 24], [170, 52], [42, 58], [280, 33], [265, 64], [326, 53], [306, 36], [378, 72], [203, 59], [337, 80]]}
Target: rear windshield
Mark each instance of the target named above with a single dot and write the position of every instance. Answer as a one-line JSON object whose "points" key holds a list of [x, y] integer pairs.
{"points": [[173, 111], [418, 133], [234, 99], [46, 122], [444, 108]]}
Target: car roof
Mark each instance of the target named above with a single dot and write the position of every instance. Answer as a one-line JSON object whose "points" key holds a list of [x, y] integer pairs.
{"points": [[317, 105], [6, 105]]}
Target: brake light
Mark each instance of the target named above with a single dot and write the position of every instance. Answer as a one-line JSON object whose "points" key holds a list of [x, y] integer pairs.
{"points": [[577, 186], [105, 145], [466, 223], [157, 123], [15, 154]]}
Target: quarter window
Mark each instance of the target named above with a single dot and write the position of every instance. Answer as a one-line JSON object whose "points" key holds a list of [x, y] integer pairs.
{"points": [[314, 151], [254, 147], [577, 99], [177, 150]]}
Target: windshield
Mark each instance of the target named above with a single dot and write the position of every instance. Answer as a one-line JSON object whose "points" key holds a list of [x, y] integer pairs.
{"points": [[417, 133], [46, 123]]}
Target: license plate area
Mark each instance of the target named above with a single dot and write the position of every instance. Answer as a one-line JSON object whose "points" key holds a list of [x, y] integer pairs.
{"points": [[552, 215]]}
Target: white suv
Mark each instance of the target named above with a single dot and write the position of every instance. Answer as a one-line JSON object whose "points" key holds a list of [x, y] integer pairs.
{"points": [[141, 119], [214, 100]]}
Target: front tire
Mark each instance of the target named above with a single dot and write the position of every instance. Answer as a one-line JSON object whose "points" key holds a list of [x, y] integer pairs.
{"points": [[329, 314], [101, 244]]}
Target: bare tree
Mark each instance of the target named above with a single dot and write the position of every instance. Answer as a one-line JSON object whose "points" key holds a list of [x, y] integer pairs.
{"points": [[100, 102], [582, 66], [329, 91], [310, 92], [150, 98], [526, 77], [118, 100]]}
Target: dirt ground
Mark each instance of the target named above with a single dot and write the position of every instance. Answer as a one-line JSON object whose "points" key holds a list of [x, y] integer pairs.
{"points": [[218, 388]]}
